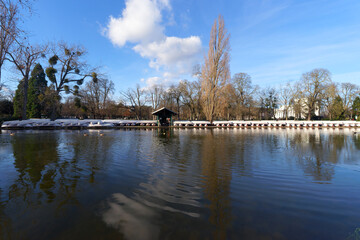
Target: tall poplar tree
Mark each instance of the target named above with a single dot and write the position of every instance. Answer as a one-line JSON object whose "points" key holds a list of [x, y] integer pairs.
{"points": [[215, 72]]}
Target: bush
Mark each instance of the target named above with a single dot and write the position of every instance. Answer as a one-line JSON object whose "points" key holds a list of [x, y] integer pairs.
{"points": [[6, 108]]}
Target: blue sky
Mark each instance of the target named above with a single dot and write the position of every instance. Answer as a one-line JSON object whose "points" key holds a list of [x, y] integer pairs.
{"points": [[158, 41]]}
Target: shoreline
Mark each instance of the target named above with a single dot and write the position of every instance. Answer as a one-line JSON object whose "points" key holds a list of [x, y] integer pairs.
{"points": [[73, 124]]}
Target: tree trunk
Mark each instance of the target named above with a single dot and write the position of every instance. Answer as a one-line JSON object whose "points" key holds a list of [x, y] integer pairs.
{"points": [[53, 108], [53, 113], [309, 114]]}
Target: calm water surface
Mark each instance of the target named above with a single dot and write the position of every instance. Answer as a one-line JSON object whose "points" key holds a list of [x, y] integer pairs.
{"points": [[180, 184]]}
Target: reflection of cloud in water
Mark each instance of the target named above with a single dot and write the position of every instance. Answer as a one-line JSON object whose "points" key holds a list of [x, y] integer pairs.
{"points": [[135, 216], [132, 218], [172, 191], [168, 208]]}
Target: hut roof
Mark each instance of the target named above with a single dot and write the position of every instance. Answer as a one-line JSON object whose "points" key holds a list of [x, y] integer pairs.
{"points": [[165, 110]]}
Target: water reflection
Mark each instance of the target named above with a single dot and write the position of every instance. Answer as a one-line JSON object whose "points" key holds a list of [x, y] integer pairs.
{"points": [[52, 168], [134, 219], [216, 169], [317, 154], [179, 184], [35, 158], [165, 190]]}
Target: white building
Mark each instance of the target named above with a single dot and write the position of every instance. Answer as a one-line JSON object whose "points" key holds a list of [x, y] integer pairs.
{"points": [[280, 112]]}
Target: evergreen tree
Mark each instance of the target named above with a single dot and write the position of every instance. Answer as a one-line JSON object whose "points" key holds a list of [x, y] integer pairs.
{"points": [[37, 87], [356, 108], [19, 100], [338, 109]]}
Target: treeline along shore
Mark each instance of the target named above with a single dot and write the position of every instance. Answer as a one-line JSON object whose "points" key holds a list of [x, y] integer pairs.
{"points": [[114, 123]]}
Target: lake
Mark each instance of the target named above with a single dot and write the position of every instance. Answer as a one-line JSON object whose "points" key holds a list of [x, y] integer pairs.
{"points": [[226, 183]]}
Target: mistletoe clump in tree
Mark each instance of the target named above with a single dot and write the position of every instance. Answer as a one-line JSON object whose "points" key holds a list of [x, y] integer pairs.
{"points": [[67, 71]]}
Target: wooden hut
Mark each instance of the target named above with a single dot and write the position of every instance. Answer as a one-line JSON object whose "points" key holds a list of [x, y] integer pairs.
{"points": [[164, 116]]}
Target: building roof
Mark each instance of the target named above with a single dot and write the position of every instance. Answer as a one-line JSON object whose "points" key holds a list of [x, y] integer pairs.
{"points": [[164, 109]]}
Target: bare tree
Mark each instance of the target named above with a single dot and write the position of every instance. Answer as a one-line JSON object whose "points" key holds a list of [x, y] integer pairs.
{"points": [[349, 92], [96, 96], [313, 88], [227, 104], [175, 93], [167, 99], [331, 92], [297, 101], [8, 31], [68, 67], [136, 98], [215, 71], [285, 98], [243, 92], [24, 58], [155, 95], [191, 97]]}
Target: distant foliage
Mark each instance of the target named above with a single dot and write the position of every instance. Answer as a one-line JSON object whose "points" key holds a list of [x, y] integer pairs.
{"points": [[6, 108]]}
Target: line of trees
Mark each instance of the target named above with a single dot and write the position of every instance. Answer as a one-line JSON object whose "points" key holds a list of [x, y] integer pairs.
{"points": [[54, 83], [314, 96]]}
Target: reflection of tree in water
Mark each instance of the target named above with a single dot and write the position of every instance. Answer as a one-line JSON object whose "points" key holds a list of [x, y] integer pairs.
{"points": [[92, 152], [216, 167], [34, 154], [271, 140], [356, 139], [317, 153], [50, 166]]}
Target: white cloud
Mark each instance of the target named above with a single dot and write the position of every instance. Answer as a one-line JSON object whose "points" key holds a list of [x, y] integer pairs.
{"points": [[164, 82], [140, 21], [141, 24], [173, 52], [153, 81]]}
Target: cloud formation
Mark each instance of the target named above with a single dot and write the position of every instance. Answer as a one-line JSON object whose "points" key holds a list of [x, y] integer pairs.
{"points": [[171, 51], [141, 24]]}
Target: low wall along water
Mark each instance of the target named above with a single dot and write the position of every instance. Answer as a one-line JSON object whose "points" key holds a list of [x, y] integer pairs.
{"points": [[114, 123]]}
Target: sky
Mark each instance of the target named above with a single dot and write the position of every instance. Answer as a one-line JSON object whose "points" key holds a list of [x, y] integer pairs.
{"points": [[150, 42]]}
